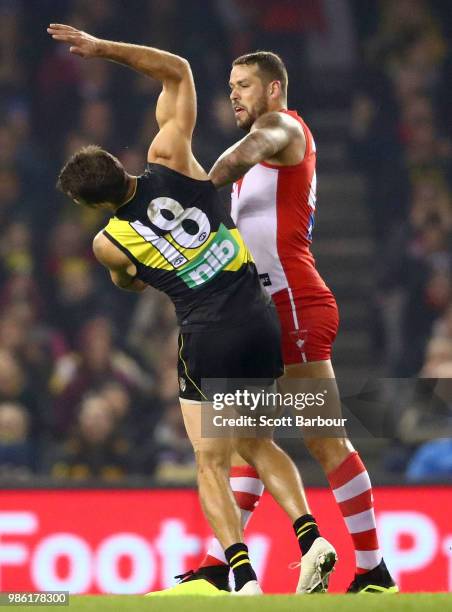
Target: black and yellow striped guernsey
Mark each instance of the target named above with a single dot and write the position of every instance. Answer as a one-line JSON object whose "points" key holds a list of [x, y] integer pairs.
{"points": [[183, 242]]}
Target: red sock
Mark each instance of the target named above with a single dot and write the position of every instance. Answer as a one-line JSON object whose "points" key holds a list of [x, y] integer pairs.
{"points": [[353, 492], [247, 489]]}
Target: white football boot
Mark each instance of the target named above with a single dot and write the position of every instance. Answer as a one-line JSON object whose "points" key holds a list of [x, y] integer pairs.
{"points": [[250, 588], [315, 567]]}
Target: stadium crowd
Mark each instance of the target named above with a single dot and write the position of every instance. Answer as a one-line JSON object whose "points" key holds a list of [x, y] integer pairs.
{"points": [[87, 381], [401, 138]]}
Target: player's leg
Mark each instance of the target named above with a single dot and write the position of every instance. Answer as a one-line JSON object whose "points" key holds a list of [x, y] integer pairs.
{"points": [[275, 467], [212, 460], [350, 484], [277, 472], [282, 476], [282, 479], [199, 359], [329, 452], [247, 489], [217, 500]]}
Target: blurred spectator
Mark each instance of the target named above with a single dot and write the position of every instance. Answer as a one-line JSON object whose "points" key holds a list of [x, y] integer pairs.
{"points": [[33, 345], [10, 191], [376, 151], [17, 452], [95, 450], [151, 331], [16, 387], [12, 72], [443, 327], [439, 352], [173, 454], [99, 16], [96, 80], [432, 461], [136, 413], [97, 361], [15, 249], [68, 241], [401, 24], [424, 417], [431, 203], [76, 299], [96, 123]]}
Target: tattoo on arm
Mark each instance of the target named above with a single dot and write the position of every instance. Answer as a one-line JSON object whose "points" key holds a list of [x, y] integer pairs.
{"points": [[269, 135]]}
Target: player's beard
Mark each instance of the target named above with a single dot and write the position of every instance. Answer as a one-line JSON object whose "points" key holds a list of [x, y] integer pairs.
{"points": [[260, 108]]}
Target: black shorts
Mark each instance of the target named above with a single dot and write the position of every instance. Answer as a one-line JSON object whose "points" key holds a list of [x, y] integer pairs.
{"points": [[249, 352]]}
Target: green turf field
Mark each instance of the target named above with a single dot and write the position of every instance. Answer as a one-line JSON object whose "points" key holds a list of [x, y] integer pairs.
{"points": [[268, 603]]}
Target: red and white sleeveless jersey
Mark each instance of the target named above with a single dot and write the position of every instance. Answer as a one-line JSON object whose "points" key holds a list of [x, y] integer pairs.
{"points": [[273, 208]]}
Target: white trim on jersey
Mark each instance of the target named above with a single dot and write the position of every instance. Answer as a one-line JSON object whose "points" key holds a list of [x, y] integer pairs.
{"points": [[313, 145], [312, 200], [295, 320], [294, 310]]}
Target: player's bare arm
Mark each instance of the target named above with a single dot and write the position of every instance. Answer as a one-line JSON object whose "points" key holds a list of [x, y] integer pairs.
{"points": [[274, 137], [176, 106], [155, 63], [122, 270]]}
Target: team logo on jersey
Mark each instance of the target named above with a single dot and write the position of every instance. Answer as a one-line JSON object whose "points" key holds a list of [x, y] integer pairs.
{"points": [[265, 279], [299, 336], [221, 250]]}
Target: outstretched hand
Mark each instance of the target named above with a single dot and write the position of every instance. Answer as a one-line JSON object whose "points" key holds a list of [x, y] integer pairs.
{"points": [[82, 44]]}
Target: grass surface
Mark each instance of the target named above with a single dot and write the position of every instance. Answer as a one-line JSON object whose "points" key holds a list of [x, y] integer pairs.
{"points": [[268, 603]]}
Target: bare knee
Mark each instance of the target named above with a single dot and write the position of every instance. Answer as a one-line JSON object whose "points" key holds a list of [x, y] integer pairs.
{"points": [[212, 461], [251, 448]]}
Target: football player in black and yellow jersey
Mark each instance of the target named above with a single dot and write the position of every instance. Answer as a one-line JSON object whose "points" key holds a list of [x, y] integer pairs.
{"points": [[169, 230]]}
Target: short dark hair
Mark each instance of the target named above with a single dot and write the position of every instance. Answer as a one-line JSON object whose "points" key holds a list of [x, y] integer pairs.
{"points": [[269, 64], [93, 176]]}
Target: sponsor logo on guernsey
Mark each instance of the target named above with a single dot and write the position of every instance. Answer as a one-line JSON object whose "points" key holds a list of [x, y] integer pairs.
{"points": [[222, 249], [265, 279]]}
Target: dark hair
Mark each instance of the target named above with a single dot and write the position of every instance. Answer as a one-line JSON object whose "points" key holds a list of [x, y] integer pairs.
{"points": [[93, 175], [269, 64]]}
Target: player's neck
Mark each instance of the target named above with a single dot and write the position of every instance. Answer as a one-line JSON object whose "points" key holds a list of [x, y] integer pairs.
{"points": [[277, 106]]}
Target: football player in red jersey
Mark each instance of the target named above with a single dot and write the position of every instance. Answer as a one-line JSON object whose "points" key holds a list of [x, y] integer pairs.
{"points": [[273, 171]]}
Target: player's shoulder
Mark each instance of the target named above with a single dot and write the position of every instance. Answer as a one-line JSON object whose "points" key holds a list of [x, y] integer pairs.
{"points": [[281, 120], [105, 250], [101, 246]]}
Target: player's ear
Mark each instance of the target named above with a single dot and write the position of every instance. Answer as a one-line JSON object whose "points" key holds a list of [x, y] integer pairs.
{"points": [[275, 89]]}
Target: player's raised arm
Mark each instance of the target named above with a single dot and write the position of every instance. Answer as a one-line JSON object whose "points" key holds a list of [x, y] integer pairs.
{"points": [[269, 135], [177, 102]]}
